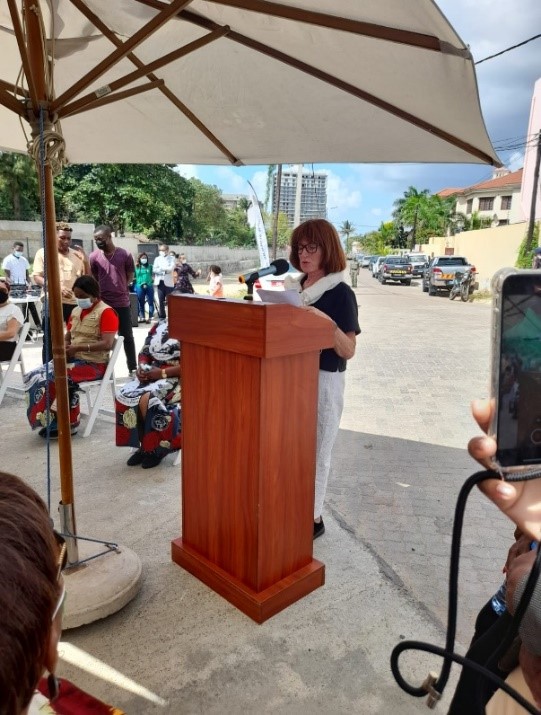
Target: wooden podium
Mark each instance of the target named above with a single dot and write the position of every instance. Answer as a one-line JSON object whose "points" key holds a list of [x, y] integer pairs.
{"points": [[249, 410]]}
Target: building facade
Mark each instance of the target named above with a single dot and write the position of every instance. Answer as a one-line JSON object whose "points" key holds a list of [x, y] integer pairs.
{"points": [[496, 200], [313, 194]]}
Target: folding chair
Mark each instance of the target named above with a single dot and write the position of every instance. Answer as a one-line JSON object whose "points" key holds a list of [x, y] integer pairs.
{"points": [[102, 385], [16, 358]]}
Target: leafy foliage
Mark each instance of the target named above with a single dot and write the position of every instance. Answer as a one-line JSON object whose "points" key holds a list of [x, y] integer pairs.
{"points": [[525, 254], [19, 189]]}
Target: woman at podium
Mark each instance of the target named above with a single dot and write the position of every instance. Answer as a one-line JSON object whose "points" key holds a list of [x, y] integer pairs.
{"points": [[316, 251]]}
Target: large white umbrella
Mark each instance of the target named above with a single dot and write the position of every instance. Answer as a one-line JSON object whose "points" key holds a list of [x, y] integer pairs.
{"points": [[230, 81]]}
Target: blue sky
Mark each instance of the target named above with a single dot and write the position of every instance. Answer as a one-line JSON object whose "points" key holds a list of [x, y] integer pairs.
{"points": [[364, 193]]}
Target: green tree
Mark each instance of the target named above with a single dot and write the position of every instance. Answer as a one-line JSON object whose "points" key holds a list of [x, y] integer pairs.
{"points": [[346, 229], [409, 210], [284, 229], [19, 188], [149, 198], [208, 214]]}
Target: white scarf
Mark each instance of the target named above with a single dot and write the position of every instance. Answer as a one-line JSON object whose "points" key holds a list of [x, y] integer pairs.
{"points": [[314, 292]]}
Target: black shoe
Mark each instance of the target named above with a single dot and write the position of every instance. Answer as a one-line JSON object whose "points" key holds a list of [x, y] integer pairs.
{"points": [[319, 528], [53, 433], [152, 459], [136, 458]]}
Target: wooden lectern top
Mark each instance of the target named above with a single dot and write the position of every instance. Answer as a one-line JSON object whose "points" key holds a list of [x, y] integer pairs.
{"points": [[261, 330]]}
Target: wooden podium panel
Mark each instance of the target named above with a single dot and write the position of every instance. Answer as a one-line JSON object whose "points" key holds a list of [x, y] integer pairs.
{"points": [[249, 410]]}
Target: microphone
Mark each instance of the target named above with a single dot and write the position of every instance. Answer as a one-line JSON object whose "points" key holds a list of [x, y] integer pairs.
{"points": [[276, 268]]}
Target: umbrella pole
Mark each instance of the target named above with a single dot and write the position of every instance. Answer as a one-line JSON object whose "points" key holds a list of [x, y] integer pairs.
{"points": [[36, 59]]}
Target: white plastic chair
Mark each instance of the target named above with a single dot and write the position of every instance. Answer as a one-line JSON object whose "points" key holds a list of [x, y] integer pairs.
{"points": [[16, 359], [101, 385]]}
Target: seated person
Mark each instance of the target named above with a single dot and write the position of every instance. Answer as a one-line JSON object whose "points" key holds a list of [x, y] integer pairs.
{"points": [[148, 408], [11, 320], [91, 331]]}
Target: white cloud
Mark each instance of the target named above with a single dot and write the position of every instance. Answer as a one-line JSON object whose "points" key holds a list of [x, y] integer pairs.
{"points": [[259, 182], [188, 171], [342, 192], [515, 161]]}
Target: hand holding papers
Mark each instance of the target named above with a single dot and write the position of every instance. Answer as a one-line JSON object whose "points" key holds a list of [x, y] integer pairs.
{"points": [[291, 297]]}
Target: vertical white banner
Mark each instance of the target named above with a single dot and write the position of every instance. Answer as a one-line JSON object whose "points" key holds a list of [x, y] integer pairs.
{"points": [[255, 219]]}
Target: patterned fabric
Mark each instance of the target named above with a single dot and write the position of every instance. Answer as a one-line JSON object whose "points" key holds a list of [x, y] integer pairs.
{"points": [[35, 383], [162, 424], [70, 701], [183, 284]]}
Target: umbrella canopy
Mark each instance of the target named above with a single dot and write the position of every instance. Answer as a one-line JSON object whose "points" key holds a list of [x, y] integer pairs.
{"points": [[249, 82]]}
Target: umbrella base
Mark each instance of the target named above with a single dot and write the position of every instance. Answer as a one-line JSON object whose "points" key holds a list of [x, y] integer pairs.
{"points": [[102, 586]]}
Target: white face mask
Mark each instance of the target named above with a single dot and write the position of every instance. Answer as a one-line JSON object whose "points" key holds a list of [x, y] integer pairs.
{"points": [[17, 254], [84, 303], [162, 253], [144, 261]]}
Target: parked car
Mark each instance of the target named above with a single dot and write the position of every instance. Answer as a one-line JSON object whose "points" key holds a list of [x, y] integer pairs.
{"points": [[376, 266], [395, 268], [440, 274], [371, 262], [419, 261], [274, 282], [365, 261]]}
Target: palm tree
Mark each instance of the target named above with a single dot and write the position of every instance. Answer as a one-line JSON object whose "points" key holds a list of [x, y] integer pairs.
{"points": [[409, 209], [346, 229]]}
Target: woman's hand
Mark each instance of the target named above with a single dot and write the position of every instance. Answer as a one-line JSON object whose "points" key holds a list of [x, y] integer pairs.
{"points": [[147, 376], [520, 501], [71, 350]]}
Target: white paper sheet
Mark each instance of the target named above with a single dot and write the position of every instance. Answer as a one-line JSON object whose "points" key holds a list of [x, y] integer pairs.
{"points": [[291, 297]]}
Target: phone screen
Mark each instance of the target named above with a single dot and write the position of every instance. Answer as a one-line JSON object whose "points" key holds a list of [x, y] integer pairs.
{"points": [[519, 383]]}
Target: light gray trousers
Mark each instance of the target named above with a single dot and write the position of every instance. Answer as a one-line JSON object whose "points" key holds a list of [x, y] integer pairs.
{"points": [[329, 412]]}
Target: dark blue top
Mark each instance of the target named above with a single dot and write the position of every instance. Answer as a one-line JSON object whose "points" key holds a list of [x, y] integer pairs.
{"points": [[340, 304]]}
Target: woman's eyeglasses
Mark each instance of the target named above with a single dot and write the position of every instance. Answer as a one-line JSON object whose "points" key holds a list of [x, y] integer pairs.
{"points": [[308, 247]]}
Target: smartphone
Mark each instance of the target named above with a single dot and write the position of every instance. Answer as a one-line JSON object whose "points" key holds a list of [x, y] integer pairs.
{"points": [[516, 368]]}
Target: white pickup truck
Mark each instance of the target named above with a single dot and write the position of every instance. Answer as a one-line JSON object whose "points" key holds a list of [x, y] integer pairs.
{"points": [[441, 271]]}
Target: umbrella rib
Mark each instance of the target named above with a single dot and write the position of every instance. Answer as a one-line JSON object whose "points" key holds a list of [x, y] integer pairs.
{"points": [[334, 22], [167, 11], [10, 102], [116, 97], [100, 25], [342, 85], [14, 89], [19, 34], [137, 74]]}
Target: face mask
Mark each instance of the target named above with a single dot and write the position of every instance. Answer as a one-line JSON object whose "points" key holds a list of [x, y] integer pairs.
{"points": [[3, 297], [144, 261], [162, 253], [84, 303], [17, 254]]}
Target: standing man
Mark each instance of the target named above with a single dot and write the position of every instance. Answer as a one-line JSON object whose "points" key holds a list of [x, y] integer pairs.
{"points": [[114, 269], [17, 270], [353, 270], [16, 266], [164, 282], [71, 266]]}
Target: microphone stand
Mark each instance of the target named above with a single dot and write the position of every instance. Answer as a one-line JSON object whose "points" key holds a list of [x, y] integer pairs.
{"points": [[250, 286]]}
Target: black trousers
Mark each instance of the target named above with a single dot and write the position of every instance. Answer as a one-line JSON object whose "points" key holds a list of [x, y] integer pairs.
{"points": [[46, 325], [163, 292], [7, 348], [490, 630], [125, 329]]}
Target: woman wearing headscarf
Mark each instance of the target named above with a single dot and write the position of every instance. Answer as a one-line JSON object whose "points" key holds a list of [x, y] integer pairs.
{"points": [[148, 408]]}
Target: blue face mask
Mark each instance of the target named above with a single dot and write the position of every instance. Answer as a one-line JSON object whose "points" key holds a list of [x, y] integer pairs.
{"points": [[84, 303], [17, 254], [144, 261]]}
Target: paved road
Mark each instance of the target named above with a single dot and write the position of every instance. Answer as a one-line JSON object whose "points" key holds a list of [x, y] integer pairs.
{"points": [[401, 455]]}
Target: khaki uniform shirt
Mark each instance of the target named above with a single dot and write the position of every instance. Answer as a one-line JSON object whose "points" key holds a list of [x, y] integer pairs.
{"points": [[71, 267]]}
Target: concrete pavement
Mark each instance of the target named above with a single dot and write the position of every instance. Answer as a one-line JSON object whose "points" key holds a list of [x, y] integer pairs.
{"points": [[398, 463]]}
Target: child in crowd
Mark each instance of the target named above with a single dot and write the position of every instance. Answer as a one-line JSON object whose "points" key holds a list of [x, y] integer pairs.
{"points": [[215, 280]]}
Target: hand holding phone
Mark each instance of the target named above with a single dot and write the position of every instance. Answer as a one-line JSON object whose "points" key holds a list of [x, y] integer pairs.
{"points": [[520, 501]]}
